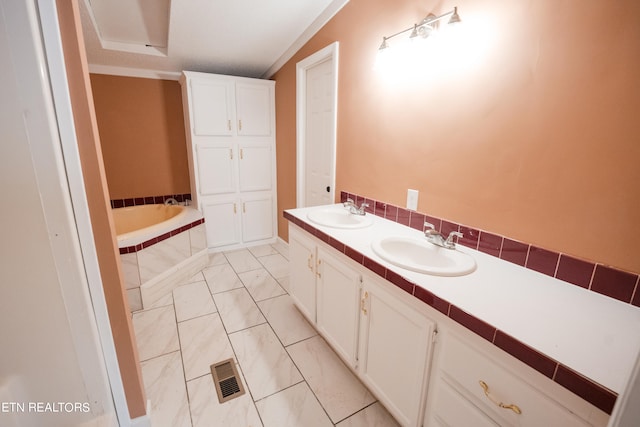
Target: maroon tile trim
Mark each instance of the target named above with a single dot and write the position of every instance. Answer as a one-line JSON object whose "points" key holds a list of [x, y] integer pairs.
{"points": [[430, 299], [380, 209], [148, 200], [391, 213], [403, 216], [636, 297], [526, 354], [490, 244], [592, 392], [542, 260], [472, 323], [151, 242], [575, 271], [447, 227], [470, 238], [599, 396], [614, 283], [400, 281], [513, 251], [417, 221]]}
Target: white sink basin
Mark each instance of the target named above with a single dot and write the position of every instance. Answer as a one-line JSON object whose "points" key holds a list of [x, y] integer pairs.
{"points": [[423, 257], [339, 218]]}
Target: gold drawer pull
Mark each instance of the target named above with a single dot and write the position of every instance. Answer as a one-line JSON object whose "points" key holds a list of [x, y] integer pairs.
{"points": [[310, 262], [363, 303], [513, 407]]}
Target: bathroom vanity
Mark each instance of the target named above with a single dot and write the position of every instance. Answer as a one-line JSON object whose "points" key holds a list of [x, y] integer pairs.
{"points": [[501, 345]]}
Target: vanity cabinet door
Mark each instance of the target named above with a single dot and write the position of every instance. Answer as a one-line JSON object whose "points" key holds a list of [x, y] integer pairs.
{"points": [[216, 169], [302, 274], [338, 291], [395, 351], [254, 167]]}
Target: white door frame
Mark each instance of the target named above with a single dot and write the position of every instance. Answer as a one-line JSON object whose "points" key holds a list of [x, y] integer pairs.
{"points": [[329, 52]]}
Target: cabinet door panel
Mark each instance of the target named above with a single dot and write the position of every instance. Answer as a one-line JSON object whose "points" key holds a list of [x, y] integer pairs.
{"points": [[255, 167], [221, 222], [302, 275], [216, 170], [253, 106], [394, 352], [257, 218], [212, 107], [338, 305]]}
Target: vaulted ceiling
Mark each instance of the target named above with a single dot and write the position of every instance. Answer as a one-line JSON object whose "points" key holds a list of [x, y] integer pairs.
{"points": [[251, 38]]}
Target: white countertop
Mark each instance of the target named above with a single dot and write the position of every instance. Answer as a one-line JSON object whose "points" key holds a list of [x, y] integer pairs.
{"points": [[595, 335]]}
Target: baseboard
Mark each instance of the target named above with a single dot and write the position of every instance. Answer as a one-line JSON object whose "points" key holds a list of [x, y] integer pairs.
{"points": [[145, 420]]}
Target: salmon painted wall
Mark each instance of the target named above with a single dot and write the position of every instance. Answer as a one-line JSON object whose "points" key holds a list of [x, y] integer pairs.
{"points": [[141, 127], [522, 122]]}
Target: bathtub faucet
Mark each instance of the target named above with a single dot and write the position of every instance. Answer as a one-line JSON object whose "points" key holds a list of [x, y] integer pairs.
{"points": [[171, 201]]}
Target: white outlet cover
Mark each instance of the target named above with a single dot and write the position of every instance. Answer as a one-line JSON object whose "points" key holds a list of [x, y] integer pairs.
{"points": [[412, 199]]}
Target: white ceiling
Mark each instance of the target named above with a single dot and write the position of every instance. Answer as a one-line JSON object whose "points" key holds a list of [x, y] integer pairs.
{"points": [[251, 38]]}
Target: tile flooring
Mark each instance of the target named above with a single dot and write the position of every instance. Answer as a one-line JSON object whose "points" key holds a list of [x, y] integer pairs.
{"points": [[238, 307]]}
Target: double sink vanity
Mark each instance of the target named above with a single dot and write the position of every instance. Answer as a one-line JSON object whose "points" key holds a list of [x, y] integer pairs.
{"points": [[453, 336]]}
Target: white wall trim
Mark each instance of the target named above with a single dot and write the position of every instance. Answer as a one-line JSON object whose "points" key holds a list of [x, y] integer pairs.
{"points": [[328, 52], [330, 11], [134, 72], [71, 170]]}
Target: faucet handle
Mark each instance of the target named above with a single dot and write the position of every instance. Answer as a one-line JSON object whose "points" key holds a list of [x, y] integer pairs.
{"points": [[349, 202], [429, 225], [453, 234]]}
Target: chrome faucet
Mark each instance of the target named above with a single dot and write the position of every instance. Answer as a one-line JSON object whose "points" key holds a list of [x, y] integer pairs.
{"points": [[438, 239], [171, 201], [353, 208]]}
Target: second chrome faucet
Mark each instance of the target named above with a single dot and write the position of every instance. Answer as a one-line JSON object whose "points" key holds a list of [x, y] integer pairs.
{"points": [[438, 239], [354, 209]]}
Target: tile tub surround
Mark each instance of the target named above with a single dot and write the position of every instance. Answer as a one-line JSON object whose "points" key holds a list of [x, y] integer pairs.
{"points": [[150, 269], [621, 285], [148, 200], [520, 310]]}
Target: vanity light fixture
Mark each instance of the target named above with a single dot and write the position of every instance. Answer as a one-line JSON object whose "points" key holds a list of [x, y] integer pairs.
{"points": [[425, 28]]}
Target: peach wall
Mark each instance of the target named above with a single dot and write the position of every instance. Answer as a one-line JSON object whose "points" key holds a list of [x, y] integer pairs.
{"points": [[99, 208], [528, 129], [142, 133]]}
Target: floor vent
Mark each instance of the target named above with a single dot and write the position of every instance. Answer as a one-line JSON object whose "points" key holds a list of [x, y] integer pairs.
{"points": [[227, 381]]}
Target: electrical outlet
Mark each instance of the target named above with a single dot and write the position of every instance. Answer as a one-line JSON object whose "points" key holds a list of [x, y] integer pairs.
{"points": [[412, 199]]}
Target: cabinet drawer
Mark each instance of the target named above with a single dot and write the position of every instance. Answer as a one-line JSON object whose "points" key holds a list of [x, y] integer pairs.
{"points": [[466, 367], [453, 410]]}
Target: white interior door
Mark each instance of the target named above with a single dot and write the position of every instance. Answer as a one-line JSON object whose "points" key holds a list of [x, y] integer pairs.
{"points": [[317, 85]]}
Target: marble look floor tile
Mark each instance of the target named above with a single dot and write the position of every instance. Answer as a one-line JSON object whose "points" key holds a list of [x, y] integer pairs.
{"points": [[284, 282], [371, 416], [192, 300], [262, 250], [285, 319], [266, 365], [260, 284], [207, 411], [221, 278], [293, 407], [155, 332], [165, 388], [204, 342], [282, 248], [217, 258], [238, 310], [242, 260], [340, 393], [198, 277], [277, 265]]}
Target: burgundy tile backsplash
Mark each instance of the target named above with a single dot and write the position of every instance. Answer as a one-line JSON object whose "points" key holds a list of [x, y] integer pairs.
{"points": [[575, 271], [148, 200], [490, 244], [542, 260], [614, 283]]}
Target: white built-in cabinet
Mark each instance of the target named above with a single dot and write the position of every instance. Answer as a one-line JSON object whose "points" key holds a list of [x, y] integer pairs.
{"points": [[424, 368], [384, 341], [230, 127]]}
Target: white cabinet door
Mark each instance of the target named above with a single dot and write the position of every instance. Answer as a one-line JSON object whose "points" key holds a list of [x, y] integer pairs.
{"points": [[451, 409], [338, 291], [212, 107], [395, 349], [216, 169], [257, 218], [225, 220], [253, 109], [302, 273], [254, 167]]}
